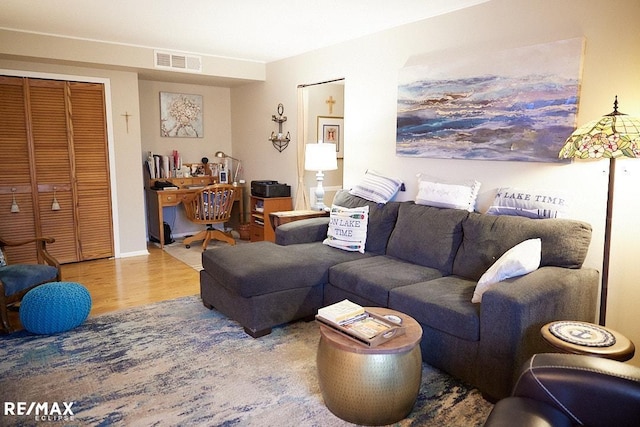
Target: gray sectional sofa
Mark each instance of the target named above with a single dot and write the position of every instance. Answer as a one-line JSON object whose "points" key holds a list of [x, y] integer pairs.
{"points": [[423, 261]]}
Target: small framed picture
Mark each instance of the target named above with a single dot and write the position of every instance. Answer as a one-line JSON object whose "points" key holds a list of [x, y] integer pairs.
{"points": [[330, 130], [223, 177]]}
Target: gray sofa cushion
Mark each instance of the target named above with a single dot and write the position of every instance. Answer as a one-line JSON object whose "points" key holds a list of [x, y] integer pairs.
{"points": [[382, 219], [487, 237], [302, 231], [263, 267], [373, 277], [427, 236], [443, 304]]}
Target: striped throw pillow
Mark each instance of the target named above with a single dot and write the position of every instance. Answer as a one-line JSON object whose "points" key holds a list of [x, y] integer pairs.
{"points": [[377, 187]]}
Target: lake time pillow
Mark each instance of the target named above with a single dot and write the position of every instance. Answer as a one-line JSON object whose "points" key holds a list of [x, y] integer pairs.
{"points": [[348, 228]]}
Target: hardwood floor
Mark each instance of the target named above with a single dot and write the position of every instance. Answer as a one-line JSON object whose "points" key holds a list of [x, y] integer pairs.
{"points": [[115, 284]]}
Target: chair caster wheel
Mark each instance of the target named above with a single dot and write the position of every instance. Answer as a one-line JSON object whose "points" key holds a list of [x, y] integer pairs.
{"points": [[187, 246]]}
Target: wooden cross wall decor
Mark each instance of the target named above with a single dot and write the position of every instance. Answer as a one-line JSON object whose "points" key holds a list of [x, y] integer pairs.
{"points": [[330, 102], [126, 116]]}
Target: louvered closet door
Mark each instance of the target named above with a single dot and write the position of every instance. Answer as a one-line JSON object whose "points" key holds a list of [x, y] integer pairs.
{"points": [[52, 146], [94, 219], [15, 173]]}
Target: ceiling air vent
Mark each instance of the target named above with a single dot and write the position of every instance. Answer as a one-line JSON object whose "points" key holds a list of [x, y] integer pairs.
{"points": [[176, 61]]}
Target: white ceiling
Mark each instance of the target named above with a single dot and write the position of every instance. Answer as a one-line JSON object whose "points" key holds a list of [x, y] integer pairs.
{"points": [[256, 30]]}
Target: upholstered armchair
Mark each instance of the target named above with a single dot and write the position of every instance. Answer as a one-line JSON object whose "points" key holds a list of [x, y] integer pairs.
{"points": [[18, 279], [571, 390]]}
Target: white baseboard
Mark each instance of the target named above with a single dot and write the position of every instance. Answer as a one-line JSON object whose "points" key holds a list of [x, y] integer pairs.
{"points": [[132, 254]]}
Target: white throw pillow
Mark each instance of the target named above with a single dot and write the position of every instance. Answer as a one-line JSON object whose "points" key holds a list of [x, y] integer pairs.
{"points": [[529, 203], [521, 259], [443, 194], [377, 187], [348, 228]]}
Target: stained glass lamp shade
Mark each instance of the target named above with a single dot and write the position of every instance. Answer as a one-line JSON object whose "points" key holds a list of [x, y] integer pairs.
{"points": [[612, 136]]}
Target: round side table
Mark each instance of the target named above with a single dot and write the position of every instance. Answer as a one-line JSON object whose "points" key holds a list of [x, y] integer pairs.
{"points": [[371, 385], [588, 339]]}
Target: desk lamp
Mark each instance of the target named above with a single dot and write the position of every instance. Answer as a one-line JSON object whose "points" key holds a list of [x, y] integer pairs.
{"points": [[320, 157], [222, 155]]}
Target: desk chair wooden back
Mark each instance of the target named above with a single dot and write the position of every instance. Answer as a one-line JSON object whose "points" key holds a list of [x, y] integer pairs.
{"points": [[210, 205]]}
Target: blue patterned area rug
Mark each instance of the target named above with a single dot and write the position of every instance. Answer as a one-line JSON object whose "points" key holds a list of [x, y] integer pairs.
{"points": [[177, 363]]}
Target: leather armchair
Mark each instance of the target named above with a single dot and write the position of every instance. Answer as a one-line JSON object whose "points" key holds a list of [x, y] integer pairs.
{"points": [[568, 390]]}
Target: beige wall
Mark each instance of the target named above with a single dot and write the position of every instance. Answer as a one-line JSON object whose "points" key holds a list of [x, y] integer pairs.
{"points": [[370, 66], [141, 59], [216, 114]]}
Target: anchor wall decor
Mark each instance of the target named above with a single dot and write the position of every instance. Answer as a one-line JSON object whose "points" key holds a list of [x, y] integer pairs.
{"points": [[279, 140]]}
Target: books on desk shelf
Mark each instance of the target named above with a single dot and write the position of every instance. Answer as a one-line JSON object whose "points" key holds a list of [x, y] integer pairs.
{"points": [[358, 324]]}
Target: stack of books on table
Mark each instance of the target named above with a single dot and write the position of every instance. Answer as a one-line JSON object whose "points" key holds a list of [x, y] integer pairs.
{"points": [[358, 324]]}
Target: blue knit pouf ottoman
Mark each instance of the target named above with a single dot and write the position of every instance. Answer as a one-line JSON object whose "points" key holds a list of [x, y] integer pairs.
{"points": [[55, 307]]}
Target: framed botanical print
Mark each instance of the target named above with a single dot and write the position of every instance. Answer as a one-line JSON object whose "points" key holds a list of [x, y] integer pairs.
{"points": [[330, 129], [180, 115]]}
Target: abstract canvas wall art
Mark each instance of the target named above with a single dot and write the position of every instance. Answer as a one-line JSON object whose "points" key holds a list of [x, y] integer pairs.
{"points": [[517, 104]]}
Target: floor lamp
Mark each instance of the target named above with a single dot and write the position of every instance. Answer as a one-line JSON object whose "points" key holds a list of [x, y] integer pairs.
{"points": [[612, 136], [320, 157]]}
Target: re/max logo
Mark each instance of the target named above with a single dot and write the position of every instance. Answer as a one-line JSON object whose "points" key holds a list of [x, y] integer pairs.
{"points": [[39, 408]]}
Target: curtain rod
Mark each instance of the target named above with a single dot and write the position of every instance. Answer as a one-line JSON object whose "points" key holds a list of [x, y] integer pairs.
{"points": [[321, 83]]}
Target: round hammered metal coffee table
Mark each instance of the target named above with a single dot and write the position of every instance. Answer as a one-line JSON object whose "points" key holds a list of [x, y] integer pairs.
{"points": [[588, 339], [371, 385]]}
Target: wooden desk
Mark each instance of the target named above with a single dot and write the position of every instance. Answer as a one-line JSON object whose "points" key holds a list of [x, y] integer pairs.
{"points": [[159, 199]]}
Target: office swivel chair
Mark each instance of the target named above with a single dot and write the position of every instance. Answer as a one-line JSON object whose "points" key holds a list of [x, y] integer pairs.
{"points": [[210, 205]]}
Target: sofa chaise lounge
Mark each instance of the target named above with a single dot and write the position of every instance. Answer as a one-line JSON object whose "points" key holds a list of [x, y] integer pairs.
{"points": [[424, 261]]}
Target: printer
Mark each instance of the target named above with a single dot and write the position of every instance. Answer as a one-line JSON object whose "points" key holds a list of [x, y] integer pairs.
{"points": [[268, 188]]}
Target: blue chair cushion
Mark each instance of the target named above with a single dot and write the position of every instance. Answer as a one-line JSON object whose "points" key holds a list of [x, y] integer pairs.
{"points": [[55, 307], [18, 277]]}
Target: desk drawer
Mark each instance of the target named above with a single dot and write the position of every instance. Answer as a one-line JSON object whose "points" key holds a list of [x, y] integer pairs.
{"points": [[168, 198], [196, 180], [181, 182], [202, 181]]}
